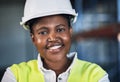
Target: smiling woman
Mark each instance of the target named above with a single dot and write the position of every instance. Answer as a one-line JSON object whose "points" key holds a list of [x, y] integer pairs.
{"points": [[51, 33]]}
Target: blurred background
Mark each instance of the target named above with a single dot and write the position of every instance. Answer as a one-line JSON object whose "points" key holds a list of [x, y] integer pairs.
{"points": [[96, 34]]}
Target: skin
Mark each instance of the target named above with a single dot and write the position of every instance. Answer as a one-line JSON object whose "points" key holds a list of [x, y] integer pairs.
{"points": [[52, 38]]}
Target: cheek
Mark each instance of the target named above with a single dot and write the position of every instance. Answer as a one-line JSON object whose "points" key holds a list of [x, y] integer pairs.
{"points": [[39, 45], [39, 40], [67, 39]]}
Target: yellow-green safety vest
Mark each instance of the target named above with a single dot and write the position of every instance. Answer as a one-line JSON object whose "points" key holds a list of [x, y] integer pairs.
{"points": [[81, 71]]}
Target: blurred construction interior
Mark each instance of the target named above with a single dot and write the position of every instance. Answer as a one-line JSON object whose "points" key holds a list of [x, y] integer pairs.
{"points": [[96, 34]]}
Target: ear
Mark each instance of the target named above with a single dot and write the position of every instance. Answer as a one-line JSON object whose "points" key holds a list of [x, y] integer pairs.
{"points": [[71, 31], [32, 37]]}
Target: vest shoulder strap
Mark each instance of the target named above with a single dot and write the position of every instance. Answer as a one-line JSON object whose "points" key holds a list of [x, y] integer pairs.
{"points": [[83, 71]]}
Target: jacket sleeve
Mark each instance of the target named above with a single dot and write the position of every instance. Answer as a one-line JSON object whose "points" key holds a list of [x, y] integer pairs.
{"points": [[104, 79], [8, 76]]}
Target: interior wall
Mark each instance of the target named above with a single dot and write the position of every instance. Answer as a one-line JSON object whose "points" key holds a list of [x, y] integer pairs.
{"points": [[15, 42]]}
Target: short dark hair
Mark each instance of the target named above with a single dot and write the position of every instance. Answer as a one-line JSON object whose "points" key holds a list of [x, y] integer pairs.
{"points": [[31, 22]]}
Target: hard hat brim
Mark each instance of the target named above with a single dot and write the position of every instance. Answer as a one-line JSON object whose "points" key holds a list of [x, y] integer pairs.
{"points": [[25, 19]]}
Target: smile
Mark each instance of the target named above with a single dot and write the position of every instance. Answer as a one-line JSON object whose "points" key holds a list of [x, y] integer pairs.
{"points": [[55, 47]]}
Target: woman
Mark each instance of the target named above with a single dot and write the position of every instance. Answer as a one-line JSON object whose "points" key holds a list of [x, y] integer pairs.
{"points": [[51, 31]]}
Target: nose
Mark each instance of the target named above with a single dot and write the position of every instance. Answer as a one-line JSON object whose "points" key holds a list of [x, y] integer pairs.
{"points": [[52, 36]]}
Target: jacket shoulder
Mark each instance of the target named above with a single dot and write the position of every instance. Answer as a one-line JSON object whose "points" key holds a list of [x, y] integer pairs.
{"points": [[24, 67], [88, 66], [87, 71]]}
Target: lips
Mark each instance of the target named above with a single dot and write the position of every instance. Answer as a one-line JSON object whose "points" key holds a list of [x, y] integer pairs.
{"points": [[54, 47]]}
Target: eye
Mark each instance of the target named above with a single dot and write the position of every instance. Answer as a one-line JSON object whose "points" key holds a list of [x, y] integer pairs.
{"points": [[43, 33], [60, 30]]}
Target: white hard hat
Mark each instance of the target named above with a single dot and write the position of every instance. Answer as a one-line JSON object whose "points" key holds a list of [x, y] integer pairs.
{"points": [[40, 8]]}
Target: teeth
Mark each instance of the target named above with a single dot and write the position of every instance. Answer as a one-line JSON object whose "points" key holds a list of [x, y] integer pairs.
{"points": [[55, 47]]}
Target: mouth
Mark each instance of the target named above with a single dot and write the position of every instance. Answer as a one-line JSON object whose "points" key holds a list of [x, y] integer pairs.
{"points": [[54, 48]]}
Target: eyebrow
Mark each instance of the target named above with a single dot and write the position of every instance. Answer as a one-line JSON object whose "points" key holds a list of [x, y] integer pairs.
{"points": [[42, 28], [60, 25], [45, 28]]}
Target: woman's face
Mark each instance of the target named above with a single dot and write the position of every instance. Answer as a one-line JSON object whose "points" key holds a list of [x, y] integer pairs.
{"points": [[52, 37]]}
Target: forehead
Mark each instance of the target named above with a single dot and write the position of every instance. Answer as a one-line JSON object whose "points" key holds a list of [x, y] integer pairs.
{"points": [[50, 21], [47, 20], [54, 18]]}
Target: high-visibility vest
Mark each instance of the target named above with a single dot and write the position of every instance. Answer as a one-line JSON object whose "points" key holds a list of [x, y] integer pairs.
{"points": [[81, 71]]}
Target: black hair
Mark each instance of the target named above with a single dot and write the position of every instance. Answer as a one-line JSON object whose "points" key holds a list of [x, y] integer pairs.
{"points": [[32, 22]]}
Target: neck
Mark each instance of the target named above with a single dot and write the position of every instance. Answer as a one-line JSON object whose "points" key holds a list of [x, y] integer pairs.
{"points": [[59, 66]]}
